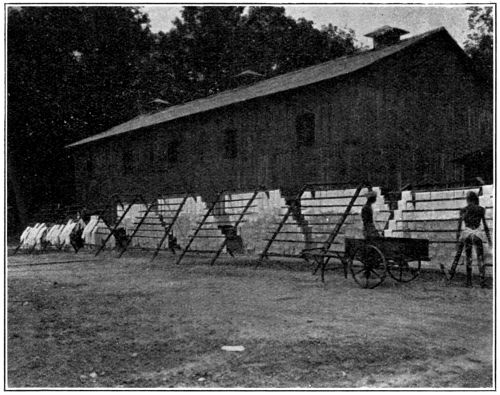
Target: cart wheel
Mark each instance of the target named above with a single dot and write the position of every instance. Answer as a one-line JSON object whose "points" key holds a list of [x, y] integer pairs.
{"points": [[368, 266], [404, 271]]}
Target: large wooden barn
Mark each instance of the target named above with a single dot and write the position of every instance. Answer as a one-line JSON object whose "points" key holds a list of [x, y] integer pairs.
{"points": [[404, 112]]}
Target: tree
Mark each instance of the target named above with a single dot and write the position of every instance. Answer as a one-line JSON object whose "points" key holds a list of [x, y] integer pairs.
{"points": [[479, 44], [71, 73], [279, 44], [210, 45], [201, 50]]}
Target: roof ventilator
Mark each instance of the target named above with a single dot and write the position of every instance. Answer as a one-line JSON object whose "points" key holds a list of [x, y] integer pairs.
{"points": [[386, 35]]}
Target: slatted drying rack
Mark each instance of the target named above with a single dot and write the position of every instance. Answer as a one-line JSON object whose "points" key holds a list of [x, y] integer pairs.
{"points": [[240, 211], [320, 255]]}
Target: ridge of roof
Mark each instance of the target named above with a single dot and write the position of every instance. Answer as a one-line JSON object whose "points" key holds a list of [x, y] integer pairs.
{"points": [[280, 83]]}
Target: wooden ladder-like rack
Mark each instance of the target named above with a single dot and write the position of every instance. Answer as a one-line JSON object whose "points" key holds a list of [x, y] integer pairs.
{"points": [[161, 225], [135, 200], [204, 225], [321, 255]]}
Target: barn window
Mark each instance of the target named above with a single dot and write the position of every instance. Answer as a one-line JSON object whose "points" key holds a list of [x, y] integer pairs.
{"points": [[230, 144], [107, 157], [90, 166], [203, 146], [151, 155], [160, 155], [304, 126], [127, 159], [173, 151]]}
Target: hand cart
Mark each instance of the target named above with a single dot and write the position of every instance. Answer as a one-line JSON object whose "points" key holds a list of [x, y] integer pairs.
{"points": [[369, 260]]}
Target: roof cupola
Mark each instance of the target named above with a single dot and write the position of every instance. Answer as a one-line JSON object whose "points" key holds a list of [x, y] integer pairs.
{"points": [[386, 35]]}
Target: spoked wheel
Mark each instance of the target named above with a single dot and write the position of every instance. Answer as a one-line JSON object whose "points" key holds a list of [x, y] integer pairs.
{"points": [[368, 266], [404, 271]]}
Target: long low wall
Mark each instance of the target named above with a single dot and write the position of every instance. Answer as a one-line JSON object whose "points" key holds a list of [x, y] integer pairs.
{"points": [[265, 210], [320, 213], [431, 215]]}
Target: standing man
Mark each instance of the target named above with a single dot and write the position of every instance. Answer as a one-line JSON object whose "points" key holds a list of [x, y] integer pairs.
{"points": [[369, 229], [472, 215]]}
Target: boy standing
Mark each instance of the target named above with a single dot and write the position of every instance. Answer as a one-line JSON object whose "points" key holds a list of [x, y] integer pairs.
{"points": [[471, 215]]}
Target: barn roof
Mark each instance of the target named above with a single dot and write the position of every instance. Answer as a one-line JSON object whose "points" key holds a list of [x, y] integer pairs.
{"points": [[295, 79]]}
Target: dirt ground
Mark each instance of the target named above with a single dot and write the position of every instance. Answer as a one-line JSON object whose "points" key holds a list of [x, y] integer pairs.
{"points": [[108, 322]]}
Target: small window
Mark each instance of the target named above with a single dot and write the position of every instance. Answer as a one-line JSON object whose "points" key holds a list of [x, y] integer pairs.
{"points": [[151, 155], [304, 126], [127, 159], [202, 147], [90, 166], [160, 154], [107, 157], [173, 151], [230, 144]]}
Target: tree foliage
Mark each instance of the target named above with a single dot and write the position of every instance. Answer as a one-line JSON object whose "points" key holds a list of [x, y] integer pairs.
{"points": [[77, 71], [70, 74], [209, 46], [479, 44]]}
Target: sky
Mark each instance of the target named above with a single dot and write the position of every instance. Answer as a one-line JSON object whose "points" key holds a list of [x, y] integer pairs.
{"points": [[362, 19]]}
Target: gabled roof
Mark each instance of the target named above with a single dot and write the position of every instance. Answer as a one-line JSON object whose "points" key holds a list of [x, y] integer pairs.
{"points": [[295, 79]]}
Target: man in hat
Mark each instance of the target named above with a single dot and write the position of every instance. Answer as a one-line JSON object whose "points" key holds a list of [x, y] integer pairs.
{"points": [[369, 229], [471, 215]]}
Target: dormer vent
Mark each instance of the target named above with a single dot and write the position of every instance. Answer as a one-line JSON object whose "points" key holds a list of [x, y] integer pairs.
{"points": [[386, 35]]}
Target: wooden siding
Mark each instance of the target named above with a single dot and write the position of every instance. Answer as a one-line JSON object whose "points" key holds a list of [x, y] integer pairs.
{"points": [[399, 121]]}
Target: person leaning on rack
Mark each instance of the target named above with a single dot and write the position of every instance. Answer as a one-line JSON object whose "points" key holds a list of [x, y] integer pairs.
{"points": [[472, 215], [369, 229]]}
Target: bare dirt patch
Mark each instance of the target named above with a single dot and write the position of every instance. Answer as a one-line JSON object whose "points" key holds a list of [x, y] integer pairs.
{"points": [[128, 323]]}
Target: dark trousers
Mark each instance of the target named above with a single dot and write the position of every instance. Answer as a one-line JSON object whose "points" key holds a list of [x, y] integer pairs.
{"points": [[468, 243]]}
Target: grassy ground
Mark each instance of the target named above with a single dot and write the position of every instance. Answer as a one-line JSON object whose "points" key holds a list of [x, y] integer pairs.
{"points": [[131, 323]]}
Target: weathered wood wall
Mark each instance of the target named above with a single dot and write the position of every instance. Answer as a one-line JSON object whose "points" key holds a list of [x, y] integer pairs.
{"points": [[401, 120]]}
